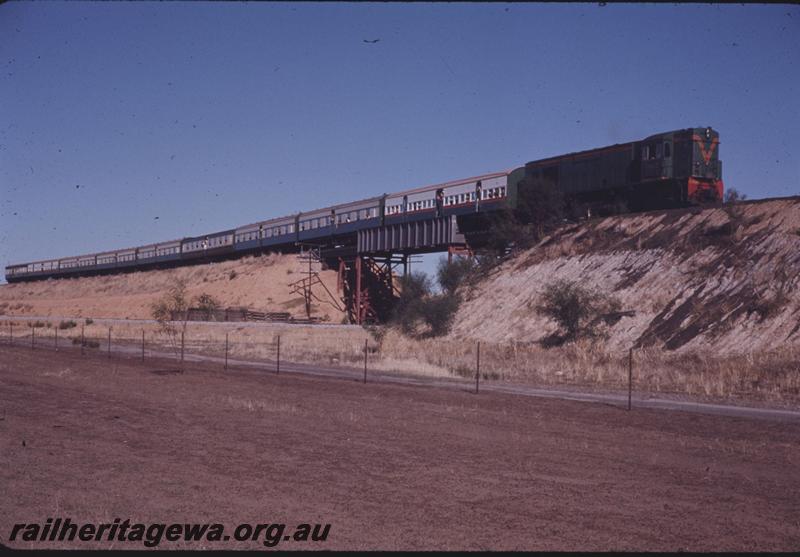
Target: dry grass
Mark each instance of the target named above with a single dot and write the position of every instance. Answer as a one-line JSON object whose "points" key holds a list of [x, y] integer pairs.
{"points": [[255, 405], [773, 375], [769, 375]]}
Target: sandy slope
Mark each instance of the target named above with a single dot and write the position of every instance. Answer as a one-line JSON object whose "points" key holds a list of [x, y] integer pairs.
{"points": [[721, 280], [260, 283], [724, 280]]}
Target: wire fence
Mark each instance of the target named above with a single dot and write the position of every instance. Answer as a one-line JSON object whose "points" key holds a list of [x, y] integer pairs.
{"points": [[632, 372]]}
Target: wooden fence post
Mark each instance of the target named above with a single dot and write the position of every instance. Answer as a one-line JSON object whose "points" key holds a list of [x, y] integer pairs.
{"points": [[82, 338], [630, 376], [478, 369], [365, 360], [226, 350], [278, 360]]}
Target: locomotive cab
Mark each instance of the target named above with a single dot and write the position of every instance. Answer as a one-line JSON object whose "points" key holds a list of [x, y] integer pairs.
{"points": [[688, 160], [705, 174]]}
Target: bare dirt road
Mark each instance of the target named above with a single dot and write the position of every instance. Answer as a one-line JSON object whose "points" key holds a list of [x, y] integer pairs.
{"points": [[389, 466]]}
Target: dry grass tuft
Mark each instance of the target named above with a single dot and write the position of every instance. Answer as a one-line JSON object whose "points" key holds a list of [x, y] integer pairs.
{"points": [[253, 405]]}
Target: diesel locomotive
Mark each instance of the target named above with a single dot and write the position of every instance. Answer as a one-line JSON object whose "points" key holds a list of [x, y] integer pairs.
{"points": [[672, 169]]}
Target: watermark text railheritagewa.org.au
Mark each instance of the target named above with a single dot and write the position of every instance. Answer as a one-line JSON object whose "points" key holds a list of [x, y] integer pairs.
{"points": [[151, 535]]}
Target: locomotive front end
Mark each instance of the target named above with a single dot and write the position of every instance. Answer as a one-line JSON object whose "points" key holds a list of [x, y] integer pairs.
{"points": [[704, 183]]}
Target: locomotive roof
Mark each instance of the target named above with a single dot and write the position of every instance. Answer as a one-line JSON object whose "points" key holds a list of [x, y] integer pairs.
{"points": [[614, 146]]}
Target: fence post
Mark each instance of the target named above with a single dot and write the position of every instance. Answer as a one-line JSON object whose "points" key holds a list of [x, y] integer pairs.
{"points": [[109, 343], [56, 330], [182, 346], [11, 332], [478, 369], [33, 335], [365, 359], [226, 350], [142, 344], [630, 376], [278, 360], [82, 337]]}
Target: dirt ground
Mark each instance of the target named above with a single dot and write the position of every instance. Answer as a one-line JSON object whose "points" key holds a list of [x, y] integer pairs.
{"points": [[388, 466]]}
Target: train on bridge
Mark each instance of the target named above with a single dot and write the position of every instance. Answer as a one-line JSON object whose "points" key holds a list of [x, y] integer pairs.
{"points": [[676, 168]]}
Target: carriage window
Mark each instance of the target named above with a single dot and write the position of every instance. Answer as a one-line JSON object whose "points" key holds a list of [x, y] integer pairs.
{"points": [[667, 153]]}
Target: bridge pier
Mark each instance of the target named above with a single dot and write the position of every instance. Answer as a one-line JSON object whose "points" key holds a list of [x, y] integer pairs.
{"points": [[367, 273], [367, 286]]}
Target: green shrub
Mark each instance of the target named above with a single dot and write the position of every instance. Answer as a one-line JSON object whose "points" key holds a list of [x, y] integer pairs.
{"points": [[452, 274], [67, 325], [207, 304], [89, 320], [732, 195], [418, 308], [575, 308], [438, 312]]}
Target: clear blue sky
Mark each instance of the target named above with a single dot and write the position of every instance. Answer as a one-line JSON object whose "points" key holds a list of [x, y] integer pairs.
{"points": [[212, 115]]}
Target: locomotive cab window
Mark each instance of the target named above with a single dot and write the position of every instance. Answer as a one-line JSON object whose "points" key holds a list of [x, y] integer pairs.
{"points": [[667, 150]]}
